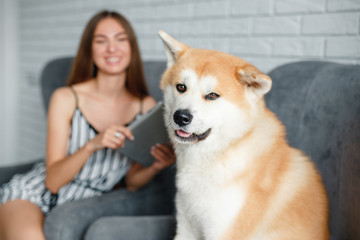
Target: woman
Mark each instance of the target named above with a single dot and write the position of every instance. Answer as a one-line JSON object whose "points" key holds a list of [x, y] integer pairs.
{"points": [[86, 121]]}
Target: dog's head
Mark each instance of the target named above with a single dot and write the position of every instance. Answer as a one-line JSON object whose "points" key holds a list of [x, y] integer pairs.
{"points": [[209, 94]]}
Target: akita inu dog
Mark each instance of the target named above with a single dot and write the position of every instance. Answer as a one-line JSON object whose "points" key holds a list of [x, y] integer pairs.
{"points": [[237, 177]]}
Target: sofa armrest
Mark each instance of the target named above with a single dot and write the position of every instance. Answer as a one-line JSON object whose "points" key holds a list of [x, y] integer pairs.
{"points": [[6, 173]]}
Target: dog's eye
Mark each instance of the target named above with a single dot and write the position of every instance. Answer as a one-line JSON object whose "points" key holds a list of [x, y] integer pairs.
{"points": [[180, 87], [212, 96]]}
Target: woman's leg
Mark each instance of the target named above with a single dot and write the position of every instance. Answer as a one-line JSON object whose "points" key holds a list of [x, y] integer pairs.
{"points": [[21, 220]]}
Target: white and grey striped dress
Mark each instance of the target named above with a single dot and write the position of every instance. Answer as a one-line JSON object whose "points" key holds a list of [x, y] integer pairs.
{"points": [[100, 173]]}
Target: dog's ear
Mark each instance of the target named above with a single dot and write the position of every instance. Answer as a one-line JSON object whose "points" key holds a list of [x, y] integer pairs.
{"points": [[173, 48], [257, 82]]}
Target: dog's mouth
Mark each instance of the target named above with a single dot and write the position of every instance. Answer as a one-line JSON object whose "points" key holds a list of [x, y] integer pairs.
{"points": [[191, 137]]}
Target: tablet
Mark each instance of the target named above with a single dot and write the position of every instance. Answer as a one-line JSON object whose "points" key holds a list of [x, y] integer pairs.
{"points": [[148, 130]]}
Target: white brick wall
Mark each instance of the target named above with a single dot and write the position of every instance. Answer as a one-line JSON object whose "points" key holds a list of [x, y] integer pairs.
{"points": [[331, 24], [335, 47], [275, 25], [265, 32], [343, 5], [253, 7]]}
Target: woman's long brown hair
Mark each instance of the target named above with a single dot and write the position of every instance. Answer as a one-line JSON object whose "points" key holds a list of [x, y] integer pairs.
{"points": [[83, 67]]}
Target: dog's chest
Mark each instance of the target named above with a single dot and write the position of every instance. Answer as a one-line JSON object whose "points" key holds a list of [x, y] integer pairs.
{"points": [[208, 196]]}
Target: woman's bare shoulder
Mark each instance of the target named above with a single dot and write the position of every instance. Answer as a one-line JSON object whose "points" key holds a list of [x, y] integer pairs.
{"points": [[62, 100], [62, 94]]}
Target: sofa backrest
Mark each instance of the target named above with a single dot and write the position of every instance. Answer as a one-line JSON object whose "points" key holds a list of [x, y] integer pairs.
{"points": [[53, 76], [319, 103], [153, 71], [56, 72]]}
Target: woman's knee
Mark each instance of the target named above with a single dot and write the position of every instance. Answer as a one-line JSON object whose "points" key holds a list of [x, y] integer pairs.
{"points": [[28, 233], [21, 219]]}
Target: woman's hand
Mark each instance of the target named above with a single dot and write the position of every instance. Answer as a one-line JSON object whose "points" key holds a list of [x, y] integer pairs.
{"points": [[164, 156], [113, 137]]}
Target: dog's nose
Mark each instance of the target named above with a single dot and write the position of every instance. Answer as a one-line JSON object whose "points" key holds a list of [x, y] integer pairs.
{"points": [[182, 117]]}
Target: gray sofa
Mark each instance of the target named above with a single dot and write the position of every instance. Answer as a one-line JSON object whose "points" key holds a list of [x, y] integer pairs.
{"points": [[319, 102]]}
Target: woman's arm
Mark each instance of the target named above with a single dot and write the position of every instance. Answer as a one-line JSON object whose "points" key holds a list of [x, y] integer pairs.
{"points": [[61, 170]]}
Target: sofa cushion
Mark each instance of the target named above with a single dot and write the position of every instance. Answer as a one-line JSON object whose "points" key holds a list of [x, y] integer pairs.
{"points": [[132, 228]]}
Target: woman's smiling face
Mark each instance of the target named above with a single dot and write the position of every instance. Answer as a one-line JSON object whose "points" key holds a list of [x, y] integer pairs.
{"points": [[111, 49]]}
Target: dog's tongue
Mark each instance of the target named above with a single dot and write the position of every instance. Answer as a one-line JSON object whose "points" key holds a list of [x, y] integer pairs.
{"points": [[183, 134]]}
